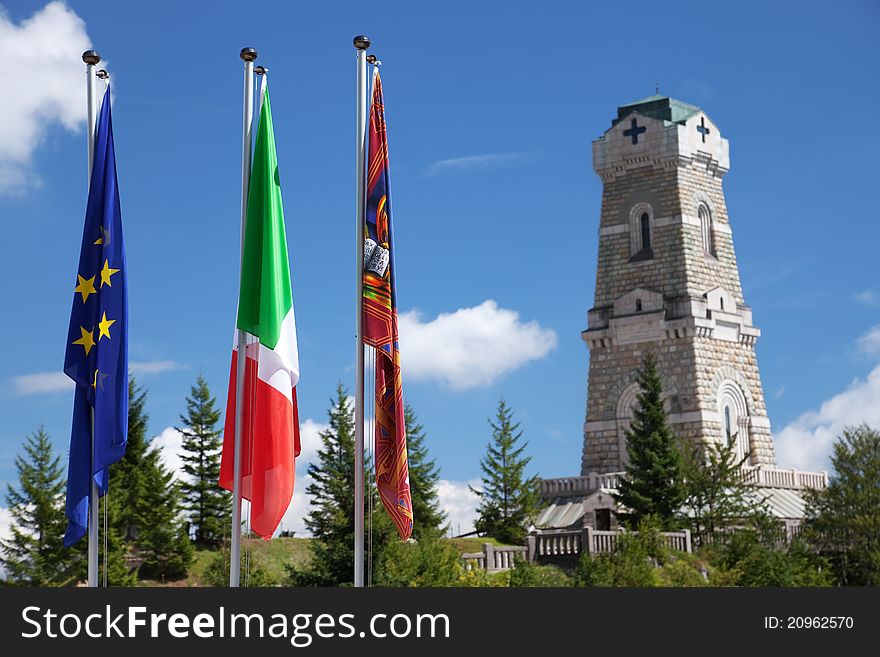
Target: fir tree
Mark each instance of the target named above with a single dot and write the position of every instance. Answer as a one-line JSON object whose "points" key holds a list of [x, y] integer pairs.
{"points": [[331, 517], [150, 504], [653, 483], [507, 500], [113, 551], [423, 478], [34, 554], [717, 496], [208, 504], [843, 520]]}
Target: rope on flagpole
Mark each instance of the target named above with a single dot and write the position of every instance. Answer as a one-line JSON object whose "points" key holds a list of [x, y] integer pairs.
{"points": [[370, 432], [106, 503]]}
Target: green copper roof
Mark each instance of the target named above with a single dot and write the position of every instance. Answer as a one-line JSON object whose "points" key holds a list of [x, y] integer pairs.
{"points": [[658, 107]]}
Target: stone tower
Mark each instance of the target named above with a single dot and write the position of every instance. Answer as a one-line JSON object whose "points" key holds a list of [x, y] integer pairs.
{"points": [[667, 281]]}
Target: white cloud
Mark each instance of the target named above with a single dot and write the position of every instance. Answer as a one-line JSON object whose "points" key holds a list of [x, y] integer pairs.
{"points": [[5, 523], [459, 504], [477, 162], [42, 83], [806, 443], [470, 347], [869, 343], [153, 366], [41, 383], [867, 298], [5, 532], [170, 446]]}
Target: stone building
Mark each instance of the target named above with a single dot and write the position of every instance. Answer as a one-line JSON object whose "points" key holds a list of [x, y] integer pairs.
{"points": [[667, 281]]}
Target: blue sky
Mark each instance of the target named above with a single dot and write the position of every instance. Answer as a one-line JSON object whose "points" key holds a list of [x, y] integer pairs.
{"points": [[491, 110]]}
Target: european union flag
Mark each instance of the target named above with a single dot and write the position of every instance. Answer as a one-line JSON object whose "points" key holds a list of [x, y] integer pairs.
{"points": [[97, 341]]}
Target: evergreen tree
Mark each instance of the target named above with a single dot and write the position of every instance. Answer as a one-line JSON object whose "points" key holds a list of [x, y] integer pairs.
{"points": [[843, 520], [150, 506], [34, 554], [507, 500], [119, 571], [423, 478], [208, 505], [127, 479], [717, 496], [653, 483], [331, 516]]}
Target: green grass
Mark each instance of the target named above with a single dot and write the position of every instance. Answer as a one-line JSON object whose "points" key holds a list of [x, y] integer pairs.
{"points": [[272, 556]]}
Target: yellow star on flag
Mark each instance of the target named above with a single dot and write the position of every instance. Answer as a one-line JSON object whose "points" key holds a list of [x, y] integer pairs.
{"points": [[104, 327], [106, 273], [99, 380], [85, 287], [105, 234], [87, 340]]}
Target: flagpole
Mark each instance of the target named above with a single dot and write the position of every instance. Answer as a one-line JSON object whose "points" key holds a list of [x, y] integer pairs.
{"points": [[91, 59], [361, 43], [248, 55]]}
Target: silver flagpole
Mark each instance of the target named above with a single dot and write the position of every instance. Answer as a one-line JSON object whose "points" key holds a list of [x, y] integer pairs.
{"points": [[361, 43], [91, 59], [248, 55]]}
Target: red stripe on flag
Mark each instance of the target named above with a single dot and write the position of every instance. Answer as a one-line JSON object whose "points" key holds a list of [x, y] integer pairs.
{"points": [[270, 443]]}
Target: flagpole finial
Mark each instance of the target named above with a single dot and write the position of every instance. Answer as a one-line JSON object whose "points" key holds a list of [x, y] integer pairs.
{"points": [[361, 42], [91, 57], [248, 54], [261, 70]]}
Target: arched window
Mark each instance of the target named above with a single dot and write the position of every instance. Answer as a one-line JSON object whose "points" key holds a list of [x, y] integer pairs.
{"points": [[734, 418], [645, 224], [641, 219], [638, 305], [706, 232]]}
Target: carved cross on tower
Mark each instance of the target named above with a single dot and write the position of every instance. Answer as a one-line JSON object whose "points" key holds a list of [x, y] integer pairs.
{"points": [[634, 131], [702, 129]]}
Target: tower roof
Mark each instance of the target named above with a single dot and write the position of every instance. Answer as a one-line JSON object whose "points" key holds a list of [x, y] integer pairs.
{"points": [[658, 107]]}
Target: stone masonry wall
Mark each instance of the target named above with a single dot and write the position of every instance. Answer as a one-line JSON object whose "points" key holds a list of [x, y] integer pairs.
{"points": [[692, 365]]}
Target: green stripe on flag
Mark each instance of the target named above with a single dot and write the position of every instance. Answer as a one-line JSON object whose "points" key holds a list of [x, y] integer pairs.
{"points": [[265, 296]]}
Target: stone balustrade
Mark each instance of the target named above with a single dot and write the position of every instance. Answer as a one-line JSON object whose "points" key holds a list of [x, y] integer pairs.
{"points": [[572, 486], [757, 475], [779, 478], [494, 558], [550, 543]]}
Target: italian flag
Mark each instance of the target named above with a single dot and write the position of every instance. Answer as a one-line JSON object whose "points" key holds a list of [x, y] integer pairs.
{"points": [[270, 427]]}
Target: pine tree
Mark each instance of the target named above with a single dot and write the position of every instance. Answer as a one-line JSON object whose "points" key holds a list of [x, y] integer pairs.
{"points": [[163, 540], [423, 478], [843, 520], [717, 496], [653, 483], [331, 517], [127, 479], [208, 505], [150, 506], [507, 500], [34, 554], [115, 559]]}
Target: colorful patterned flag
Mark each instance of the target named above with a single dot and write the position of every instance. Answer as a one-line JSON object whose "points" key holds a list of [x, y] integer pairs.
{"points": [[380, 325], [97, 339], [270, 427]]}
